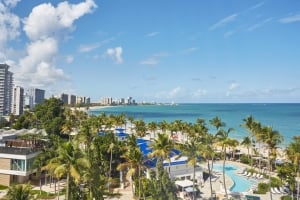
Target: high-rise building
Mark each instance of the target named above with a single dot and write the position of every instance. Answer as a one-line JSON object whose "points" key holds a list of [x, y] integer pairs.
{"points": [[17, 100], [6, 86], [37, 96], [72, 99], [64, 97]]}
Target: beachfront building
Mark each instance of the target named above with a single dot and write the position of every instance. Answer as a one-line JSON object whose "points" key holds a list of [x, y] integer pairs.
{"points": [[6, 87], [16, 158], [17, 100], [179, 167]]}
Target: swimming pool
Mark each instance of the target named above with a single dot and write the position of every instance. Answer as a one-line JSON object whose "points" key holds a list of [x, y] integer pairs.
{"points": [[241, 183]]}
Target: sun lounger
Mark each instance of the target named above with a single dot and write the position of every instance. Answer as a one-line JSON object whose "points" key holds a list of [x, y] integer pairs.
{"points": [[287, 189], [248, 175], [281, 189], [261, 176], [245, 173], [276, 190], [257, 176], [254, 175], [273, 191]]}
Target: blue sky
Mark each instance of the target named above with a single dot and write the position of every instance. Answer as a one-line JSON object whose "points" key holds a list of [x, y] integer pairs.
{"points": [[154, 50]]}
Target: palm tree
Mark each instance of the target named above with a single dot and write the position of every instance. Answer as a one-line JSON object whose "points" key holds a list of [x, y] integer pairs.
{"points": [[134, 162], [272, 138], [293, 153], [224, 141], [193, 150], [247, 143], [69, 161], [163, 149], [140, 128], [208, 153], [19, 192], [152, 126], [163, 126]]}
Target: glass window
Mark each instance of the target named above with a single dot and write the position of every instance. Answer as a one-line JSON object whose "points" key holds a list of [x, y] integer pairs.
{"points": [[18, 165]]}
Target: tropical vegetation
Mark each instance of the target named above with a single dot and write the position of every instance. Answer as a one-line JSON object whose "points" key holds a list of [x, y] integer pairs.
{"points": [[84, 151]]}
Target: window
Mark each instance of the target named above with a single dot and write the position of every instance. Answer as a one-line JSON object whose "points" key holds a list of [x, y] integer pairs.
{"points": [[18, 165]]}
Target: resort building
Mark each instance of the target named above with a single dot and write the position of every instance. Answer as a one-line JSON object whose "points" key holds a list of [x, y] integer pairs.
{"points": [[17, 100], [6, 87], [179, 167], [16, 157]]}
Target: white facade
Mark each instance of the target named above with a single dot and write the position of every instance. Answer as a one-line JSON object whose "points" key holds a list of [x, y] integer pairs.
{"points": [[17, 100], [6, 86]]}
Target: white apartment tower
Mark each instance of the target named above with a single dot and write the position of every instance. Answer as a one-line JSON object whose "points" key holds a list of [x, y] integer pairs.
{"points": [[6, 87], [17, 100]]}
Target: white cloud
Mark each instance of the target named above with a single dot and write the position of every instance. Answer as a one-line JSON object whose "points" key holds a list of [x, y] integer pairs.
{"points": [[233, 85], [69, 59], [260, 24], [199, 93], [155, 59], [150, 61], [223, 22], [9, 23], [174, 93], [45, 27], [190, 50], [11, 3], [46, 20], [91, 47], [290, 19], [88, 47], [152, 34], [115, 54]]}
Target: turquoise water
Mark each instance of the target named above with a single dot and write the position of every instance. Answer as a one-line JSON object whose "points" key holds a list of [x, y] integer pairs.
{"points": [[282, 117], [241, 184]]}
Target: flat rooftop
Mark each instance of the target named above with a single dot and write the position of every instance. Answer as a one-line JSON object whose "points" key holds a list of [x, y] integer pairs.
{"points": [[17, 151]]}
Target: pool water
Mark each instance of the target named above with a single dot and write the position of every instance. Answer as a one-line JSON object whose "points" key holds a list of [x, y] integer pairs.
{"points": [[241, 183]]}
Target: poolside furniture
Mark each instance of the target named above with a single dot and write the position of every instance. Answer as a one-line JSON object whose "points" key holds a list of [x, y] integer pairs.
{"points": [[276, 190], [245, 173], [254, 175], [281, 189], [273, 191], [249, 174], [261, 176], [257, 176]]}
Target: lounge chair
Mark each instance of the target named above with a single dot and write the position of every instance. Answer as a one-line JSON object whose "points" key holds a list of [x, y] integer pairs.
{"points": [[281, 189], [254, 175], [261, 176], [257, 176], [273, 191], [276, 190], [287, 189], [249, 174], [245, 173]]}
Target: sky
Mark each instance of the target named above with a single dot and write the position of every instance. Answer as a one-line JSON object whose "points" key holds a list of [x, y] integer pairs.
{"points": [[190, 51]]}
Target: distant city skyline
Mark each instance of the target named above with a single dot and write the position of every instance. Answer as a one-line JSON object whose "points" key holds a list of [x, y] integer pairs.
{"points": [[156, 51]]}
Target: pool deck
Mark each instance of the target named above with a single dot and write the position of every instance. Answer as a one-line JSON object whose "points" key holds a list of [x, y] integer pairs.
{"points": [[218, 185]]}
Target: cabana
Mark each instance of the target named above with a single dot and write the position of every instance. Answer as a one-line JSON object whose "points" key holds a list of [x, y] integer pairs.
{"points": [[185, 188]]}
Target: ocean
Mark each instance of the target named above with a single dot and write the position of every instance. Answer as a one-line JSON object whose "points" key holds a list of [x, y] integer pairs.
{"points": [[282, 117]]}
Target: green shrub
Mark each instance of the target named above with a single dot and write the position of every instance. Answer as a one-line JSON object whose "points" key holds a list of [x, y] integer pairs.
{"points": [[275, 182], [262, 188], [244, 159], [3, 187], [286, 198]]}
